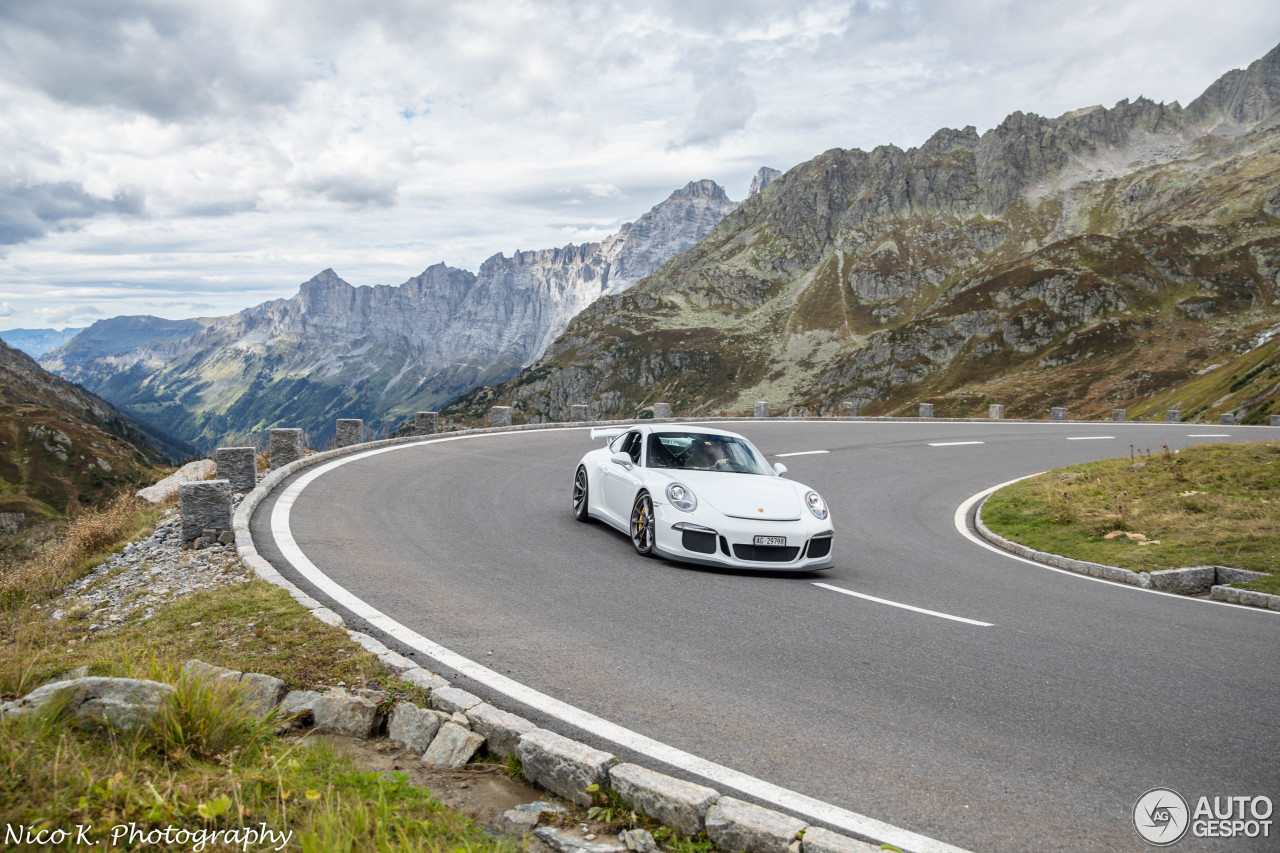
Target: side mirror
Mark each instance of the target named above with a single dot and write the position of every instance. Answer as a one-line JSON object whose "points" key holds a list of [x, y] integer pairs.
{"points": [[779, 468], [622, 459]]}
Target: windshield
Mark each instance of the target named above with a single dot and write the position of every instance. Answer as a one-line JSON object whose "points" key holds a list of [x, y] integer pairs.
{"points": [[695, 451]]}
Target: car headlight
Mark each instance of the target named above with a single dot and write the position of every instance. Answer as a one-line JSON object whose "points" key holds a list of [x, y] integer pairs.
{"points": [[816, 505], [681, 498]]}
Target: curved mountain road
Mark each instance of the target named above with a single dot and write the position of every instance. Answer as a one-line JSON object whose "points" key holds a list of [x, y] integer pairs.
{"points": [[1035, 724]]}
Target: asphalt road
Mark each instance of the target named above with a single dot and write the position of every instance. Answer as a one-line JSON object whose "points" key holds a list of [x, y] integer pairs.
{"points": [[1036, 733]]}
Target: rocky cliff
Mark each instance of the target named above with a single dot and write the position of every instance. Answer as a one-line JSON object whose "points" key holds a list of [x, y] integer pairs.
{"points": [[377, 353], [1106, 257], [61, 446]]}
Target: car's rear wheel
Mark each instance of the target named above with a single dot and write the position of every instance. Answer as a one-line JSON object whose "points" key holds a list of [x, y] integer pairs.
{"points": [[581, 510], [642, 525]]}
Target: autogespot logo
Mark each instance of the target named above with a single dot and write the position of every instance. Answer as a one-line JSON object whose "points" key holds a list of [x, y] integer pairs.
{"points": [[1161, 817]]}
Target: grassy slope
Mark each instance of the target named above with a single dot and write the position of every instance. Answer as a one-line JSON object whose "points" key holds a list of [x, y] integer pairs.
{"points": [[1211, 504]]}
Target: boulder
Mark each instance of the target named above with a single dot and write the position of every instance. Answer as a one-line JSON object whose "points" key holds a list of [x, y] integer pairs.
{"points": [[452, 747], [412, 726], [167, 489], [122, 704]]}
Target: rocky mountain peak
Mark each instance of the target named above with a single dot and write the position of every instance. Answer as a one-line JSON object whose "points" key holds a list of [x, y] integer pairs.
{"points": [[705, 188], [1240, 98], [764, 177]]}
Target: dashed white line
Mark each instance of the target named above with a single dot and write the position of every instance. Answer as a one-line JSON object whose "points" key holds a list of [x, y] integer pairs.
{"points": [[802, 453], [1088, 437], [1208, 435], [841, 589], [953, 443]]}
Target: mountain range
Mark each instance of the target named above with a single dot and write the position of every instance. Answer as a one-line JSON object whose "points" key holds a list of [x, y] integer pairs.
{"points": [[378, 353], [1125, 257], [37, 342]]}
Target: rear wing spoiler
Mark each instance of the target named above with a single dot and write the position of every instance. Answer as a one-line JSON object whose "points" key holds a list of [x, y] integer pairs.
{"points": [[608, 434]]}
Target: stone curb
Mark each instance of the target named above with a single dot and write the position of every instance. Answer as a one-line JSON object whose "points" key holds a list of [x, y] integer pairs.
{"points": [[1167, 580], [668, 797]]}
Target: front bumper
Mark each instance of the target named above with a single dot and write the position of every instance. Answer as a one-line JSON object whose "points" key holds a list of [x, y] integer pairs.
{"points": [[726, 541]]}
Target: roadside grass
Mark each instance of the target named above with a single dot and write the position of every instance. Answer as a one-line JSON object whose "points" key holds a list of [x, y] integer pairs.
{"points": [[88, 539], [58, 777], [1209, 504], [204, 763]]}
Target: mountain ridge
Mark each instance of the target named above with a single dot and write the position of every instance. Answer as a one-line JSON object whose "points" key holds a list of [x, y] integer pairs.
{"points": [[874, 277]]}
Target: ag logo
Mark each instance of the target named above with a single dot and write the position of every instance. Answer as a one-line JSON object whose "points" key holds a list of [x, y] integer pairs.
{"points": [[1161, 816]]}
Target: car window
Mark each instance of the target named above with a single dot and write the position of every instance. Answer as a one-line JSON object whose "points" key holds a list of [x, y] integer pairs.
{"points": [[703, 452], [632, 447], [620, 442]]}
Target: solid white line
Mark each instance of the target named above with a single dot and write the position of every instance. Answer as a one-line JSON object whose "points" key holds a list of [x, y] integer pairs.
{"points": [[961, 520], [1088, 437], [656, 750], [905, 606], [801, 453], [1208, 435], [953, 443]]}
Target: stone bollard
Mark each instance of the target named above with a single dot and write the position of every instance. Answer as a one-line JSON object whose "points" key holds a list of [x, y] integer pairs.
{"points": [[1228, 419], [762, 409], [204, 505], [286, 447], [848, 409], [499, 416], [1275, 420], [350, 431], [1173, 416], [239, 466], [1058, 413], [1117, 414], [926, 410], [579, 412], [995, 411], [426, 423], [661, 411]]}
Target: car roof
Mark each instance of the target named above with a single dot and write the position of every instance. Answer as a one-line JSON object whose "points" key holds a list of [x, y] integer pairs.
{"points": [[686, 428]]}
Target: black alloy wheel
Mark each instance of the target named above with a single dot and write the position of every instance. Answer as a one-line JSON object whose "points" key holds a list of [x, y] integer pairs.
{"points": [[580, 509], [642, 525]]}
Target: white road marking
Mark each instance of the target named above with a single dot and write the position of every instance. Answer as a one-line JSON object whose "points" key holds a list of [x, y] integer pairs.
{"points": [[1088, 437], [961, 520], [767, 791], [953, 443], [905, 606], [1208, 435], [801, 453]]}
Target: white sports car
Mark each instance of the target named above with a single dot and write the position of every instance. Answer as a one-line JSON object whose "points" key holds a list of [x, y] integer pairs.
{"points": [[702, 495]]}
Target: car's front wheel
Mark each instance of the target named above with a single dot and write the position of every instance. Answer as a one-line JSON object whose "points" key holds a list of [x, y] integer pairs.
{"points": [[581, 510], [642, 525]]}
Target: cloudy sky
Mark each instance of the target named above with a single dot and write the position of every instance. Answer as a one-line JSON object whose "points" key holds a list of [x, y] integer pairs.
{"points": [[194, 158]]}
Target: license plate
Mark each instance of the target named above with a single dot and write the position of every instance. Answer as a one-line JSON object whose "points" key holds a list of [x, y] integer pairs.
{"points": [[771, 540]]}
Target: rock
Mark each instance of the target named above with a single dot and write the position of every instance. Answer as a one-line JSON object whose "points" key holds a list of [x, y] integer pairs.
{"points": [[203, 506], [300, 703], [341, 713], [286, 447], [501, 730], [567, 843], [412, 726], [122, 704], [166, 489], [563, 766], [763, 177], [740, 827], [673, 802], [452, 700], [819, 840], [424, 678], [638, 840], [452, 747], [516, 822], [349, 431], [261, 693], [239, 466], [199, 669]]}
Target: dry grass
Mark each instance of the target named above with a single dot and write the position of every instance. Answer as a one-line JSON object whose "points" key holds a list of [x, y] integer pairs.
{"points": [[1210, 504], [87, 540]]}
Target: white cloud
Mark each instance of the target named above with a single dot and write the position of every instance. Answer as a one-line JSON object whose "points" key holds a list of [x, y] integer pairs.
{"points": [[6, 310], [162, 153]]}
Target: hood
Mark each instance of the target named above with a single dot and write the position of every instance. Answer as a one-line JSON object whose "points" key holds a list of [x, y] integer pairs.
{"points": [[743, 495]]}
